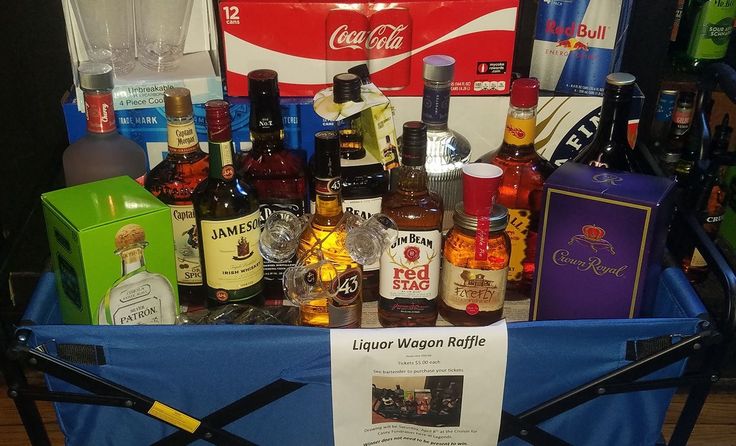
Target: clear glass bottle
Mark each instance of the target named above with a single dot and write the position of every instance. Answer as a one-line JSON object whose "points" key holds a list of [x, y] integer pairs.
{"points": [[103, 152], [524, 173], [410, 268], [173, 181], [278, 174], [139, 296], [344, 310], [228, 220], [447, 150], [474, 281]]}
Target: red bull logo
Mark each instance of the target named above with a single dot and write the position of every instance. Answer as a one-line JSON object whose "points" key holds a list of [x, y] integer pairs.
{"points": [[573, 44], [575, 30]]}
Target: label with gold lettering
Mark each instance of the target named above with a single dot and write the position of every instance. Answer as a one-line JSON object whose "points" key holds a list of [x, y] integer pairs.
{"points": [[517, 230], [186, 245], [472, 290], [519, 132], [231, 255], [182, 137]]}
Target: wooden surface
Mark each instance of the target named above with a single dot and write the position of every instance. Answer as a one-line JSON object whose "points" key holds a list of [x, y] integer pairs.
{"points": [[716, 425]]}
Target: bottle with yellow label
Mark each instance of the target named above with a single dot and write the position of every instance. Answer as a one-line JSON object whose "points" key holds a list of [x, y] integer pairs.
{"points": [[524, 172], [228, 220]]}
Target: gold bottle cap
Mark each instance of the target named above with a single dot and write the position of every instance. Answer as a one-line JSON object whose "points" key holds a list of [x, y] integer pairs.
{"points": [[178, 102], [129, 235]]}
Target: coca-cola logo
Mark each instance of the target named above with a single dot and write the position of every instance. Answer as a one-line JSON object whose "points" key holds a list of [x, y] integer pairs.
{"points": [[382, 37]]}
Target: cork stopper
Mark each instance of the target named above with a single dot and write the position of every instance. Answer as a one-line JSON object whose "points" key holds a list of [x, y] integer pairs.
{"points": [[129, 235], [178, 102]]}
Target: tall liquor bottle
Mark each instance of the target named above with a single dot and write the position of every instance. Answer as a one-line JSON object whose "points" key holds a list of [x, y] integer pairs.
{"points": [[278, 174], [173, 180], [610, 147], [344, 310], [364, 179], [521, 187], [228, 220], [410, 268], [704, 33], [447, 150], [103, 152]]}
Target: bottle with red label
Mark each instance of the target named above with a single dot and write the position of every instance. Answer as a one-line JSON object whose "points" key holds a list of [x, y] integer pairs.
{"points": [[103, 152], [410, 268], [682, 118], [521, 187]]}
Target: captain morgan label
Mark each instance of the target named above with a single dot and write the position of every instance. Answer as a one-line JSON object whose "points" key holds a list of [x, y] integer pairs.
{"points": [[186, 245]]}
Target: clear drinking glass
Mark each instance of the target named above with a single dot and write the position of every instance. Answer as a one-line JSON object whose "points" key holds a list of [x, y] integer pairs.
{"points": [[161, 28], [106, 27], [280, 235], [303, 284], [366, 239]]}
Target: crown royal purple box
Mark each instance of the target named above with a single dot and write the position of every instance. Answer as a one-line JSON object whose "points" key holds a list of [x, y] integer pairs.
{"points": [[601, 239]]}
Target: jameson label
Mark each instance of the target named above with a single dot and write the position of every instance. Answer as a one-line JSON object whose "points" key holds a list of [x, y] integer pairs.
{"points": [[231, 255], [519, 132], [186, 245], [712, 30], [365, 208], [410, 271], [182, 137], [517, 230], [345, 308], [472, 290]]}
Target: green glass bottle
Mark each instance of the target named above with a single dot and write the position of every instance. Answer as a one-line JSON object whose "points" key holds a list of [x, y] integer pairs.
{"points": [[709, 25]]}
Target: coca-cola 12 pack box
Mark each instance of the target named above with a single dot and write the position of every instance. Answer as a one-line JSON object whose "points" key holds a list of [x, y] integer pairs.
{"points": [[307, 43]]}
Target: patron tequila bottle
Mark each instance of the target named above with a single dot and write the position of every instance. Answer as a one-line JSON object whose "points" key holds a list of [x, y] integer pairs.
{"points": [[138, 297]]}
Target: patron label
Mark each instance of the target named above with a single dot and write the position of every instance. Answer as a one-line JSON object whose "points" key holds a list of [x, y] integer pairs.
{"points": [[182, 138], [231, 255], [517, 230], [147, 311], [472, 290], [364, 208], [186, 245], [410, 268]]}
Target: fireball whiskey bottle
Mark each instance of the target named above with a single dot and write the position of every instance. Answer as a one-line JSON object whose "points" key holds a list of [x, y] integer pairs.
{"points": [[344, 310], [278, 174], [228, 220], [410, 268], [475, 268], [610, 146], [524, 172], [173, 181]]}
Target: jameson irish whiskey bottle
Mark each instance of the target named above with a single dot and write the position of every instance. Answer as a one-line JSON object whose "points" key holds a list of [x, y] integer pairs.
{"points": [[447, 150], [524, 172], [610, 147], [344, 310], [138, 297], [410, 268], [228, 219], [278, 174], [709, 24], [173, 181]]}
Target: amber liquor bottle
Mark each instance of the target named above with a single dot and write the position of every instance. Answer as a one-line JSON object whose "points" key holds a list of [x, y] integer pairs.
{"points": [[410, 268], [524, 172], [228, 220], [325, 230], [173, 181], [278, 174]]}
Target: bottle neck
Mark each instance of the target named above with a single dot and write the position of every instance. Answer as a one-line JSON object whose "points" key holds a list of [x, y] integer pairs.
{"points": [[614, 122], [328, 200], [412, 180], [222, 155], [266, 125], [520, 130], [100, 113], [182, 136], [132, 259], [436, 104], [267, 142]]}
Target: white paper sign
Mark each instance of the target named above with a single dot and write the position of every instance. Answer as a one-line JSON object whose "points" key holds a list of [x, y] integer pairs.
{"points": [[439, 386]]}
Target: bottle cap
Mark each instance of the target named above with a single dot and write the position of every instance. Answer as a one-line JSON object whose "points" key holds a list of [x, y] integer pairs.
{"points": [[438, 68], [128, 235], [499, 218], [178, 102], [362, 72], [414, 143], [95, 76], [620, 79], [263, 83], [345, 88], [217, 114], [326, 159], [525, 92]]}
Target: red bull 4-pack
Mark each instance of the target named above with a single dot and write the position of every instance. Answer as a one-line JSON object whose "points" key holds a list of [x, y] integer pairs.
{"points": [[577, 43]]}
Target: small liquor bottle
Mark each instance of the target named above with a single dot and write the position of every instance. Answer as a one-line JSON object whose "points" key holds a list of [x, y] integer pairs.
{"points": [[682, 117], [662, 121], [138, 297], [278, 174], [173, 181], [228, 220], [410, 268], [447, 150], [344, 310], [474, 280], [610, 147], [524, 172], [103, 152]]}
